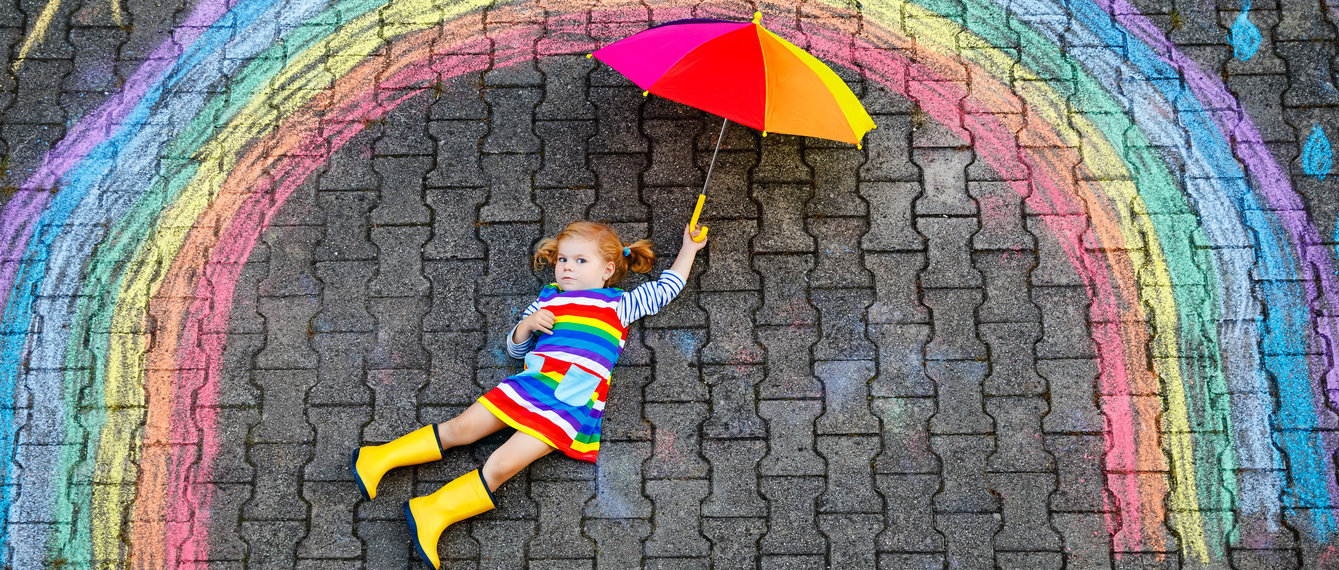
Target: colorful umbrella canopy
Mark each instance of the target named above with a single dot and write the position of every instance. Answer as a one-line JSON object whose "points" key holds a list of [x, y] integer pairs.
{"points": [[743, 72]]}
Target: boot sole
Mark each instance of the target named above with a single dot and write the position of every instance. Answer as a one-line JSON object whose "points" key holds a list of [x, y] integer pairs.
{"points": [[413, 531], [353, 466]]}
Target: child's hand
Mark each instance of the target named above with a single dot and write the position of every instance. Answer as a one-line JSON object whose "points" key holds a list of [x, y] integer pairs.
{"points": [[541, 320], [688, 244]]}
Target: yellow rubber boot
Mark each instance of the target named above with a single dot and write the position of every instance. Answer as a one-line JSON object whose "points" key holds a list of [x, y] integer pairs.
{"points": [[370, 463], [458, 500]]}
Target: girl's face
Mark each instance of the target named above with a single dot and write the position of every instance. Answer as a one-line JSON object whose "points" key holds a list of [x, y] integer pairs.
{"points": [[580, 266]]}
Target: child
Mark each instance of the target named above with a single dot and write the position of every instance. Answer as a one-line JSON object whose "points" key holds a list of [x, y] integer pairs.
{"points": [[570, 338]]}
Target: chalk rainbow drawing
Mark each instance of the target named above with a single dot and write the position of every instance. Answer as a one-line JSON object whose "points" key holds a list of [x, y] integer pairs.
{"points": [[133, 227]]}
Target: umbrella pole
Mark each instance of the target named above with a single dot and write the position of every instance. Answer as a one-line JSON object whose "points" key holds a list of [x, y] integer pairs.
{"points": [[702, 196]]}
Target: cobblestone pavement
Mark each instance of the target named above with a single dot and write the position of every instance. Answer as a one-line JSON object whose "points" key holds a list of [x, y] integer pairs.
{"points": [[1072, 305]]}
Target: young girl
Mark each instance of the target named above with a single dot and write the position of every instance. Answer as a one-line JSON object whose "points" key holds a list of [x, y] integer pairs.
{"points": [[569, 338]]}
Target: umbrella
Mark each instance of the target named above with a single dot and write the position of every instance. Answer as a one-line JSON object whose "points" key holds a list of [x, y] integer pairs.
{"points": [[744, 73]]}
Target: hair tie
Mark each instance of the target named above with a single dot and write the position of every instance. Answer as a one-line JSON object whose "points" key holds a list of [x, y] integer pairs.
{"points": [[627, 251]]}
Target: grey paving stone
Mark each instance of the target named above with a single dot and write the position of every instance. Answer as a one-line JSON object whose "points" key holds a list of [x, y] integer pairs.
{"points": [[838, 262], [852, 539], [835, 185], [1023, 499], [783, 282], [511, 120], [730, 340], [618, 480], [961, 408], [943, 174], [623, 416], [618, 541], [792, 527], [1078, 459], [398, 333], [510, 247], [671, 153], [287, 322], [455, 219], [676, 376], [387, 543], [1064, 316], [1002, 223], [675, 524], [968, 537], [282, 406], [727, 251], [1072, 386], [850, 475], [458, 160], [394, 403], [1018, 432], [950, 262], [337, 435], [278, 490], [617, 125], [733, 404], [510, 197], [788, 369], [906, 444], [895, 288], [841, 322], [965, 489], [559, 534], [401, 199], [1006, 275], [782, 161], [453, 291], [339, 373], [1013, 371], [892, 225], [617, 184], [901, 370], [677, 442], [790, 431], [846, 397], [781, 226], [343, 296], [270, 543], [564, 153], [330, 534], [910, 507], [734, 480], [290, 267], [734, 540]]}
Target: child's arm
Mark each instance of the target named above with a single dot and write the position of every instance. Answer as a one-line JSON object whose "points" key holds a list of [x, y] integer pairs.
{"points": [[522, 340], [683, 264], [649, 298]]}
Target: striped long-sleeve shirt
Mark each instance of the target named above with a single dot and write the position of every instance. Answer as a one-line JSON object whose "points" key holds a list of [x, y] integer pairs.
{"points": [[647, 299]]}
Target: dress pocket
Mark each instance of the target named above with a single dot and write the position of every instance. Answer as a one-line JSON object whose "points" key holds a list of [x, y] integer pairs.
{"points": [[533, 363], [576, 387]]}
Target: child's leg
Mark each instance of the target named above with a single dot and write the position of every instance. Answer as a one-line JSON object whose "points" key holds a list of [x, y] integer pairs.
{"points": [[520, 450], [422, 445], [470, 426], [468, 495]]}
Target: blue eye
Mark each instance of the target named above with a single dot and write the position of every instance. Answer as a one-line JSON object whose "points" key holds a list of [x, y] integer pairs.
{"points": [[581, 261], [563, 259]]}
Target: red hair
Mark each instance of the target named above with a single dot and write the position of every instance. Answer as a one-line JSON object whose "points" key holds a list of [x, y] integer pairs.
{"points": [[640, 258]]}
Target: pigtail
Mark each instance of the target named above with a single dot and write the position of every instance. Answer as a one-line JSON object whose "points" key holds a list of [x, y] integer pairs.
{"points": [[640, 256], [546, 254]]}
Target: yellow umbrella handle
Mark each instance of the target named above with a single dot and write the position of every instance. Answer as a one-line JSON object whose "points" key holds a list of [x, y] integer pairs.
{"points": [[697, 211]]}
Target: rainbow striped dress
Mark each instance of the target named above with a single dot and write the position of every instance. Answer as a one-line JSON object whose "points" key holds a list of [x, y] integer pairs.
{"points": [[560, 396]]}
